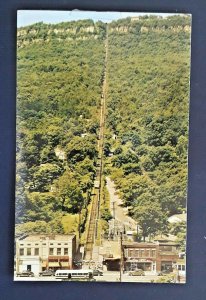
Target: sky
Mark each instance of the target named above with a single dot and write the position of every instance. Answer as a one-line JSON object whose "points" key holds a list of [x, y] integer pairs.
{"points": [[28, 17]]}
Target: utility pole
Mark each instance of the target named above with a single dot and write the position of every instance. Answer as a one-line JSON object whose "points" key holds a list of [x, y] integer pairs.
{"points": [[121, 258], [113, 209], [17, 255], [79, 227]]}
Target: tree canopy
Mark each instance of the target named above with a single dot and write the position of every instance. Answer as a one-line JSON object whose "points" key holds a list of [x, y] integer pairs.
{"points": [[60, 71]]}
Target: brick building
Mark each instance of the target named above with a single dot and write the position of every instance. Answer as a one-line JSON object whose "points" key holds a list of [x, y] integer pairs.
{"points": [[140, 256], [151, 257]]}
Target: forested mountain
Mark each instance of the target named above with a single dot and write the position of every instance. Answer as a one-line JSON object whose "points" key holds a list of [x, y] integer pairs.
{"points": [[58, 100], [60, 71], [41, 33], [148, 103]]}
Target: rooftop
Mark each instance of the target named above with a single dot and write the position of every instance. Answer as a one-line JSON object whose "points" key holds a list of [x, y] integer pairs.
{"points": [[178, 218], [111, 249], [57, 237], [139, 245]]}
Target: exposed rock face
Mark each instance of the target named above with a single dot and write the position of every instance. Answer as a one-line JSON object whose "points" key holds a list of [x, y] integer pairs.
{"points": [[145, 29], [87, 29], [30, 35], [124, 29], [26, 37], [71, 30], [58, 31], [21, 32]]}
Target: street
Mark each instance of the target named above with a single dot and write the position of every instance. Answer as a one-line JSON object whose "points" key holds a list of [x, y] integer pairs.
{"points": [[116, 207], [108, 276]]}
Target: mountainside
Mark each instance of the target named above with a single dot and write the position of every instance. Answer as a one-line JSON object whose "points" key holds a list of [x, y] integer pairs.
{"points": [[60, 70], [147, 117], [63, 32], [58, 103]]}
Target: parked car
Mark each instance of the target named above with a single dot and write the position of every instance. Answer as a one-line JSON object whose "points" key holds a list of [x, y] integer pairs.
{"points": [[25, 274], [47, 273], [138, 272], [97, 273], [164, 272]]}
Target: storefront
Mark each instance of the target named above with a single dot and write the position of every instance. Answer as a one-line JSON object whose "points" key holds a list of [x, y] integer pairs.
{"points": [[180, 269], [56, 263], [167, 266], [150, 257], [29, 264], [143, 264]]}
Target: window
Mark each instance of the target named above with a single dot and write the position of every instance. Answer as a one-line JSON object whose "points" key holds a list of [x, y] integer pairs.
{"points": [[28, 251], [28, 268], [147, 252], [183, 267], [58, 251], [51, 251], [21, 251], [65, 251], [65, 243], [36, 251], [36, 244], [179, 267], [59, 243], [166, 248], [153, 252], [51, 244], [44, 244]]}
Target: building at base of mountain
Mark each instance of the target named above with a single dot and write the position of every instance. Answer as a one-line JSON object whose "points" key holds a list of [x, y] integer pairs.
{"points": [[40, 252]]}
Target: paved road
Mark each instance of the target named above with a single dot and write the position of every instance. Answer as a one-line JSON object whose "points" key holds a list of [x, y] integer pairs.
{"points": [[115, 277], [120, 211], [108, 276]]}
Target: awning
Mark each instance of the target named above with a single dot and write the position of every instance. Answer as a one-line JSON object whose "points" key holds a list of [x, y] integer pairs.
{"points": [[64, 264], [111, 258], [138, 261], [54, 264], [55, 257]]}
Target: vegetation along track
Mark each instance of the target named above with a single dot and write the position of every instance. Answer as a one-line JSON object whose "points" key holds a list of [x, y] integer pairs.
{"points": [[95, 209]]}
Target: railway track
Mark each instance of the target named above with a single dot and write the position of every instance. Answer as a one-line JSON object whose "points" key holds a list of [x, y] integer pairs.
{"points": [[98, 187]]}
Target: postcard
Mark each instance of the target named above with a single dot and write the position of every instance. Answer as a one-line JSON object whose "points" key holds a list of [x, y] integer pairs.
{"points": [[102, 146]]}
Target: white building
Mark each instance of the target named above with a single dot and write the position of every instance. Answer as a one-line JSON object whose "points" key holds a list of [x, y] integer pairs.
{"points": [[178, 218], [38, 252]]}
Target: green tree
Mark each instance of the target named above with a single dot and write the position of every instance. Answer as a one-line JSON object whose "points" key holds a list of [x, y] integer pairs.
{"points": [[70, 193], [151, 219]]}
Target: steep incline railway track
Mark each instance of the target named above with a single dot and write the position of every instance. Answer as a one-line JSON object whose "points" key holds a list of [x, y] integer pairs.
{"points": [[96, 200]]}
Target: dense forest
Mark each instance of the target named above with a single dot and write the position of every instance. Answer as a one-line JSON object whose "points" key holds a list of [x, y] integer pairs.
{"points": [[147, 117], [59, 83], [59, 90]]}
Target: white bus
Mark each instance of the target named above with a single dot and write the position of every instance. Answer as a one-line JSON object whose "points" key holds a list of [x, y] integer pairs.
{"points": [[74, 274]]}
